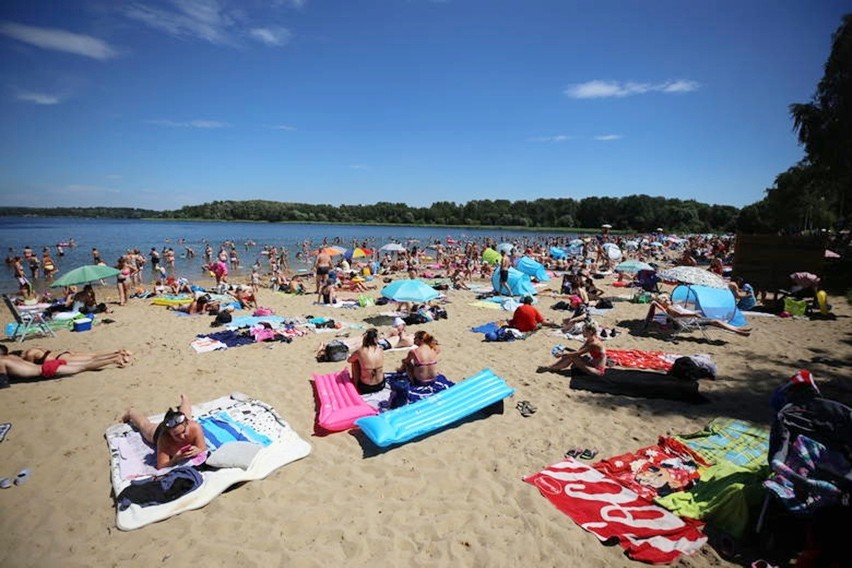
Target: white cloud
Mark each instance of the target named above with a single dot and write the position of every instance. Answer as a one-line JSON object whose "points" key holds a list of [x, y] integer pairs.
{"points": [[603, 89], [215, 21], [362, 167], [553, 139], [59, 40], [608, 137], [38, 98], [189, 124], [199, 19], [271, 36], [286, 127]]}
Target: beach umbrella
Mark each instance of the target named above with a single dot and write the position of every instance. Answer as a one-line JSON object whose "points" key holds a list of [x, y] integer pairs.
{"points": [[505, 247], [330, 251], [491, 256], [632, 266], [357, 252], [393, 247], [693, 275], [409, 291], [85, 274], [576, 242]]}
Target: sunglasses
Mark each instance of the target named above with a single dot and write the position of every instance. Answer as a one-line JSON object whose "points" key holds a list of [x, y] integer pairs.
{"points": [[175, 420]]}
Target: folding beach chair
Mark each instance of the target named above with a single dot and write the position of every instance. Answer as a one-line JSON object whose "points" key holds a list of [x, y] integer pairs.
{"points": [[26, 321], [710, 303]]}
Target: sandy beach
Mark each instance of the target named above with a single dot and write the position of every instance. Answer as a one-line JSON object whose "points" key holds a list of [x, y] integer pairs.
{"points": [[455, 498]]}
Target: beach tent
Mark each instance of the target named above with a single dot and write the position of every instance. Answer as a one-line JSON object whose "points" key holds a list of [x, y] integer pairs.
{"points": [[519, 283], [534, 269], [714, 303], [612, 251], [491, 256], [557, 253]]}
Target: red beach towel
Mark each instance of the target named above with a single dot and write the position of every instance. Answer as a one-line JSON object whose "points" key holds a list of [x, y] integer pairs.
{"points": [[600, 505]]}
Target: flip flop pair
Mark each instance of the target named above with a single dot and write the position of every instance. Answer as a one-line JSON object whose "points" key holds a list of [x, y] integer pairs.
{"points": [[20, 479], [581, 453], [526, 408]]}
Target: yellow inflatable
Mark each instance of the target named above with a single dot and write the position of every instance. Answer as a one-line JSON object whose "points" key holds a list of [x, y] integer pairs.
{"points": [[822, 300]]}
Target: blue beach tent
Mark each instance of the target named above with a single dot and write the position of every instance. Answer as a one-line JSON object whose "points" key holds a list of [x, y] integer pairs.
{"points": [[714, 303], [519, 283], [558, 253], [533, 268]]}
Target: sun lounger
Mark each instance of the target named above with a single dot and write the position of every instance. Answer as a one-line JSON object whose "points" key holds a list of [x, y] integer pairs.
{"points": [[430, 414], [280, 445]]}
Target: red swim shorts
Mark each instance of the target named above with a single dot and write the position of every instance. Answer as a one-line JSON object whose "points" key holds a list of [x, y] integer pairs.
{"points": [[49, 368]]}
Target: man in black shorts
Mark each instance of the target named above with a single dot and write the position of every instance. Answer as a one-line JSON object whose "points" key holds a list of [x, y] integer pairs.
{"points": [[505, 263]]}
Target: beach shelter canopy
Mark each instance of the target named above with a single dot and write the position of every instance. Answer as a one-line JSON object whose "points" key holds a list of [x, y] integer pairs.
{"points": [[490, 256], [532, 268], [632, 266], [409, 291], [519, 283], [612, 251], [393, 247], [714, 303], [508, 247], [85, 274], [694, 275], [557, 253]]}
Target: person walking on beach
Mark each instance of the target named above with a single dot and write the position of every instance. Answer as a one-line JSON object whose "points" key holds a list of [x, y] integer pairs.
{"points": [[505, 264], [322, 266]]}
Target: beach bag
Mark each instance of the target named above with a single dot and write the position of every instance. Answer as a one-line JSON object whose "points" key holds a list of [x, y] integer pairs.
{"points": [[795, 307], [336, 351], [561, 305], [399, 391], [439, 313], [414, 319], [687, 368], [604, 305], [365, 301], [261, 312]]}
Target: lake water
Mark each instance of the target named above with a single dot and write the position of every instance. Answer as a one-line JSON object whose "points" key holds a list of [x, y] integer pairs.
{"points": [[112, 237]]}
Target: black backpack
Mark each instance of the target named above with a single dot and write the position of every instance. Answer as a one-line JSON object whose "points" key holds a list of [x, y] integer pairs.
{"points": [[336, 351], [686, 368]]}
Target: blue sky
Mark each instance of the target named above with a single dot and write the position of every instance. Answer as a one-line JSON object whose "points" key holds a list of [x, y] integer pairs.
{"points": [[160, 104]]}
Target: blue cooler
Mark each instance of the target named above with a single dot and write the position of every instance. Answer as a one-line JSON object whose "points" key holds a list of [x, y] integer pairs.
{"points": [[82, 324]]}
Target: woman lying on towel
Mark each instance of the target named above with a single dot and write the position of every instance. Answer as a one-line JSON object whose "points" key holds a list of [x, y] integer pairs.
{"points": [[590, 358], [39, 355], [368, 364], [421, 363], [177, 438], [14, 366]]}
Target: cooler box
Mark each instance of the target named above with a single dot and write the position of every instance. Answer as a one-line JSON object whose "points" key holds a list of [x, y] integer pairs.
{"points": [[82, 324]]}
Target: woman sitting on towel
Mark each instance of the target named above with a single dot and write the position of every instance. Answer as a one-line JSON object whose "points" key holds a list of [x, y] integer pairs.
{"points": [[590, 358], [177, 438], [421, 363], [368, 364]]}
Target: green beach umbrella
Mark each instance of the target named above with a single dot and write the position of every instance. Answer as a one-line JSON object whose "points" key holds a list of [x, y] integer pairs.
{"points": [[85, 274], [491, 256]]}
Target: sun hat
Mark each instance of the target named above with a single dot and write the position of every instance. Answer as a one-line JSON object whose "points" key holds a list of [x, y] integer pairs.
{"points": [[398, 322]]}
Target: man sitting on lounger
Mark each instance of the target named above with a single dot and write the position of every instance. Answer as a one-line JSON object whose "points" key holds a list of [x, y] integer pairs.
{"points": [[675, 311]]}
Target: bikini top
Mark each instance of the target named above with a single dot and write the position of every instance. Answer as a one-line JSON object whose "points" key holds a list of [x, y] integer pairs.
{"points": [[417, 362]]}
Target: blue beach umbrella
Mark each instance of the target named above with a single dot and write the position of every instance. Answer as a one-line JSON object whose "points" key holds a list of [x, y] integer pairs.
{"points": [[632, 266], [409, 291], [557, 253]]}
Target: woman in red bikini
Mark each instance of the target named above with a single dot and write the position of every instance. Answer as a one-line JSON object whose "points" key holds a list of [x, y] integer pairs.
{"points": [[421, 363], [39, 355], [590, 358]]}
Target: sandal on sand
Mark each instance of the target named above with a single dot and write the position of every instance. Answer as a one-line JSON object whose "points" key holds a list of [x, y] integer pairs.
{"points": [[588, 454], [22, 477], [5, 483], [574, 453], [525, 408]]}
